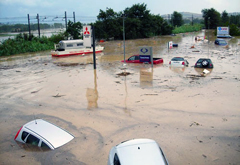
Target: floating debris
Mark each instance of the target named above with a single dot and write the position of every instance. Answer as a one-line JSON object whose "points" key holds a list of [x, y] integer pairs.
{"points": [[58, 95], [151, 94], [204, 156], [67, 64], [193, 76], [194, 123], [200, 141], [217, 78], [36, 91], [124, 74]]}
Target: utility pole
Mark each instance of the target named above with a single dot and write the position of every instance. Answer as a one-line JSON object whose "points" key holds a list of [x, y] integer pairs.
{"points": [[124, 38], [74, 17], [38, 26], [29, 29], [208, 35], [66, 19]]}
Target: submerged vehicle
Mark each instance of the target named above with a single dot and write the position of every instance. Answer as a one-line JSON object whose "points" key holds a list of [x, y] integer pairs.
{"points": [[137, 151], [178, 62], [43, 134], [136, 59], [204, 63], [221, 42], [73, 47]]}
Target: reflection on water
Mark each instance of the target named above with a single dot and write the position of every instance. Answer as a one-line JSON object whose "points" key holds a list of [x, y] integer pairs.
{"points": [[76, 60], [177, 69], [126, 96], [146, 77], [203, 71], [92, 94]]}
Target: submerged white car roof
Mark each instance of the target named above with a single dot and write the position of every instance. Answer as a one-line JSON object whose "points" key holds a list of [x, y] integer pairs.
{"points": [[52, 133], [140, 151]]}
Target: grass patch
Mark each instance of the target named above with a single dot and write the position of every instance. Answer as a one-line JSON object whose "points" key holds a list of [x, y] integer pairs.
{"points": [[188, 28], [24, 43]]}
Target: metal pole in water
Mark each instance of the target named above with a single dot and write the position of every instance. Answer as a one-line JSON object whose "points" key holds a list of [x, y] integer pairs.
{"points": [[38, 26], [29, 29], [208, 36], [74, 20], [93, 44], [66, 19], [124, 39]]}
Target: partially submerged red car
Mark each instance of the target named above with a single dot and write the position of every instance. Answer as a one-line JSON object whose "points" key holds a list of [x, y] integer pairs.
{"points": [[136, 59]]}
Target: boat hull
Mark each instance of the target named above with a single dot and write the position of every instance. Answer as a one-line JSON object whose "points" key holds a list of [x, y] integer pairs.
{"points": [[74, 52]]}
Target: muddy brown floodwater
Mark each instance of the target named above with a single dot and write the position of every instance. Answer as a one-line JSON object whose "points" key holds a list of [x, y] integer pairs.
{"points": [[195, 119]]}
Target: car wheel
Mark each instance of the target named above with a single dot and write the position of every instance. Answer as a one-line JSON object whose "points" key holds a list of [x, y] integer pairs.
{"points": [[205, 63]]}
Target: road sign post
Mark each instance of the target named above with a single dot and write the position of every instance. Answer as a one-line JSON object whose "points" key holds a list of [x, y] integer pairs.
{"points": [[145, 54], [89, 40]]}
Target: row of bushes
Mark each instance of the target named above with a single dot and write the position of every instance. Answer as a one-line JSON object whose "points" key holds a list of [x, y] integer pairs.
{"points": [[188, 28], [24, 43]]}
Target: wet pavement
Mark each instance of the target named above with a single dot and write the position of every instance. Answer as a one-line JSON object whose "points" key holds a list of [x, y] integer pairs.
{"points": [[195, 118]]}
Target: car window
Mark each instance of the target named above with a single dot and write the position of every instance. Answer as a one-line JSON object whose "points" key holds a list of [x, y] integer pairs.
{"points": [[32, 140], [136, 57], [200, 60], [24, 135], [116, 160], [45, 146], [177, 59], [222, 42], [131, 58]]}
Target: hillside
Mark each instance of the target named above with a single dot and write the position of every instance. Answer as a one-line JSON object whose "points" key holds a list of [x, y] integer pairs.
{"points": [[186, 15], [189, 15]]}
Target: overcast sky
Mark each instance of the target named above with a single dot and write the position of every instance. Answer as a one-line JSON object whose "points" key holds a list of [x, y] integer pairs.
{"points": [[89, 9]]}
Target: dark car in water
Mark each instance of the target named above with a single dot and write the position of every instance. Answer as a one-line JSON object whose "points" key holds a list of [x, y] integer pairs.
{"points": [[204, 63], [221, 42]]}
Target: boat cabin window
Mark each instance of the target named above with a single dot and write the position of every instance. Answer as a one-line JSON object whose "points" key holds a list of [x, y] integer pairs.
{"points": [[69, 45], [79, 44]]}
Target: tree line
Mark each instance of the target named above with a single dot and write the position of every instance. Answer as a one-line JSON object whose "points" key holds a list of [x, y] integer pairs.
{"points": [[213, 19], [138, 23]]}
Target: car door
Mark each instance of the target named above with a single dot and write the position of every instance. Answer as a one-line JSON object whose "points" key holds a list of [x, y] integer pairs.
{"points": [[133, 59]]}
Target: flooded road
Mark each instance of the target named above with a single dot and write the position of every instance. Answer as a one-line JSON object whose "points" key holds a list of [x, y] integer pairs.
{"points": [[194, 119]]}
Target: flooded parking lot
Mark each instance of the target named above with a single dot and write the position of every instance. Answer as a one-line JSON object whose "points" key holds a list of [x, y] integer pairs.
{"points": [[195, 119]]}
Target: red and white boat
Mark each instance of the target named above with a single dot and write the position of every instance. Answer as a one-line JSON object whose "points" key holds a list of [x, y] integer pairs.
{"points": [[73, 47]]}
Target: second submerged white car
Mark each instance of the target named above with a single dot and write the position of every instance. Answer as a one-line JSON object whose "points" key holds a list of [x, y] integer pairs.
{"points": [[137, 151]]}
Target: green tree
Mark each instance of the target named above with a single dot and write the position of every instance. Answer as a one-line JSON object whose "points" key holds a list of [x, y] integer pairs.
{"points": [[138, 21], [177, 19], [235, 19], [73, 30], [160, 26], [211, 18], [225, 18], [234, 30], [108, 24]]}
